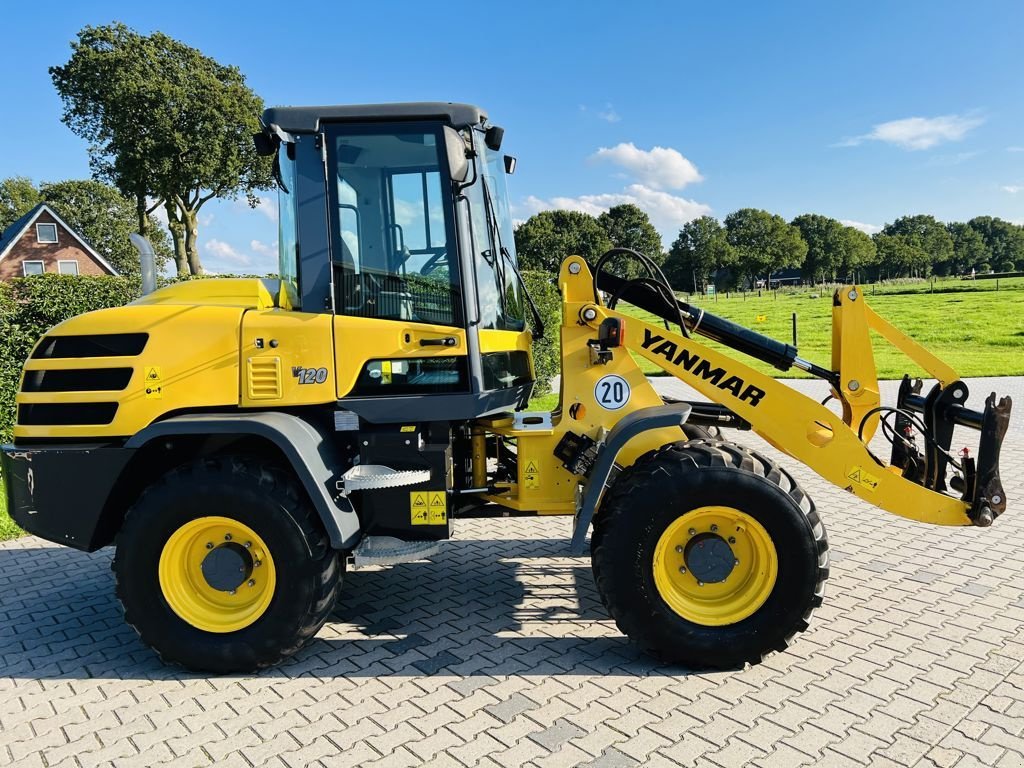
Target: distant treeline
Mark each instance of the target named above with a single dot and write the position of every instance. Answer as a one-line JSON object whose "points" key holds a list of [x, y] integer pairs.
{"points": [[752, 246]]}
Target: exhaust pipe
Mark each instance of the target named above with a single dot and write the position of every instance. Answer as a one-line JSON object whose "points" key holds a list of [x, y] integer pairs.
{"points": [[147, 259]]}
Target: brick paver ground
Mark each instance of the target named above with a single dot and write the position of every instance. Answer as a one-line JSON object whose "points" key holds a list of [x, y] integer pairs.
{"points": [[498, 653]]}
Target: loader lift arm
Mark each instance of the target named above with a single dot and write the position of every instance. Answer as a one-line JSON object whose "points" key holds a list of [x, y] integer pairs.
{"points": [[912, 485]]}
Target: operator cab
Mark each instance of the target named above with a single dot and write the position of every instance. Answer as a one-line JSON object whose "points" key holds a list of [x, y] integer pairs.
{"points": [[395, 218]]}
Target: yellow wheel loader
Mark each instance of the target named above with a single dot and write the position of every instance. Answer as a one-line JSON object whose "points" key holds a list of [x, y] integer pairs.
{"points": [[241, 442]]}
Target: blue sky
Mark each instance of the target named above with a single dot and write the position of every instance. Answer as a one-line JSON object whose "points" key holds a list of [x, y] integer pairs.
{"points": [[862, 111]]}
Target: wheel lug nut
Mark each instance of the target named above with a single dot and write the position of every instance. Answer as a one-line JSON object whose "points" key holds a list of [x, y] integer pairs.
{"points": [[227, 537], [252, 582], [248, 545], [258, 563], [693, 531], [736, 562], [732, 539], [231, 591], [700, 583], [679, 550], [682, 569], [209, 545], [714, 528]]}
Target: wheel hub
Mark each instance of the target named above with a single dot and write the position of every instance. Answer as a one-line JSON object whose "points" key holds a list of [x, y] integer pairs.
{"points": [[715, 565], [709, 558], [217, 574], [227, 567]]}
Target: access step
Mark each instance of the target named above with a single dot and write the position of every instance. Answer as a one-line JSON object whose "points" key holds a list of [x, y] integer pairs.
{"points": [[367, 477], [387, 550]]}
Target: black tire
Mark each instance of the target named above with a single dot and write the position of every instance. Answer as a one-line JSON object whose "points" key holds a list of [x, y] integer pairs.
{"points": [[651, 495], [266, 499]]}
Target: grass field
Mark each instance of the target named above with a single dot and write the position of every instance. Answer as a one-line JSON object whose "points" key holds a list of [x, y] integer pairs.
{"points": [[978, 330]]}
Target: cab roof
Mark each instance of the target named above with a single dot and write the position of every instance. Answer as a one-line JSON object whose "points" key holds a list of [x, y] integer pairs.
{"points": [[308, 119]]}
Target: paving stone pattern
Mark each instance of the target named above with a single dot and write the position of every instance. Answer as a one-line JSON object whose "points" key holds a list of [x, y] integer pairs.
{"points": [[498, 653]]}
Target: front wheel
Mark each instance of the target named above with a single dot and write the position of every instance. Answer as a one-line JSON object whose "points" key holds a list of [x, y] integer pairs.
{"points": [[222, 566], [709, 555]]}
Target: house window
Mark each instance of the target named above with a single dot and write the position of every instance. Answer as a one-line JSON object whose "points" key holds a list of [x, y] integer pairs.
{"points": [[67, 267], [32, 267], [46, 233]]}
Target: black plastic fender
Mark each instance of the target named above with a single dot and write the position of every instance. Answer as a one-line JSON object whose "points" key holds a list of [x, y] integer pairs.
{"points": [[654, 417], [310, 452]]}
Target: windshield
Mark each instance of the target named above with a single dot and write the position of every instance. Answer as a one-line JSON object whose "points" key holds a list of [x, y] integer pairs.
{"points": [[393, 247], [498, 289]]}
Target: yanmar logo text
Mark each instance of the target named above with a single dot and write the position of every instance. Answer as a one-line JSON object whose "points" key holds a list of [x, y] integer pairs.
{"points": [[693, 363]]}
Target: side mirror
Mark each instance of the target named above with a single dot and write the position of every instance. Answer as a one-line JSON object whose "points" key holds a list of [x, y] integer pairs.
{"points": [[458, 163], [510, 164], [493, 137]]}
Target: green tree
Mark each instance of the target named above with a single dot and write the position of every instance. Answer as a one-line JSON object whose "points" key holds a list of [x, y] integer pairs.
{"points": [[859, 254], [96, 211], [165, 123], [969, 249], [18, 196], [927, 238], [827, 241], [764, 242], [1004, 240], [898, 255], [627, 226], [697, 254], [548, 237]]}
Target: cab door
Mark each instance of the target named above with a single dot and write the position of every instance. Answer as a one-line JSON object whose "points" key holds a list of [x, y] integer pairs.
{"points": [[399, 310]]}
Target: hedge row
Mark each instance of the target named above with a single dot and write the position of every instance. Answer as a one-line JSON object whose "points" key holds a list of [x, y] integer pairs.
{"points": [[30, 306]]}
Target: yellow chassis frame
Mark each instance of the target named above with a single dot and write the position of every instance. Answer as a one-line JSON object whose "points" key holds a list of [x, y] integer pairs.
{"points": [[792, 422]]}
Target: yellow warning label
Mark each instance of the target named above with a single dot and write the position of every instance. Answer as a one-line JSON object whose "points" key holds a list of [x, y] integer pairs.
{"points": [[153, 379], [419, 512], [438, 508], [863, 478], [411, 428], [531, 476], [385, 372], [428, 508]]}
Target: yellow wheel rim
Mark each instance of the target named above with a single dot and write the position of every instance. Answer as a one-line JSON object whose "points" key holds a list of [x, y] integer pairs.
{"points": [[217, 574], [694, 575]]}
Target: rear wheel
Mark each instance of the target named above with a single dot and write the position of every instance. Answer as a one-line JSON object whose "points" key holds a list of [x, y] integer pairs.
{"points": [[222, 566], [709, 555]]}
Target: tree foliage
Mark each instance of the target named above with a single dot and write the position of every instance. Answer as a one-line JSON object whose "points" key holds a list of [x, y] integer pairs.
{"points": [[763, 242], [18, 196], [927, 242], [827, 242], [697, 254], [627, 226], [969, 249], [165, 123], [96, 211], [859, 253], [546, 238], [1003, 239]]}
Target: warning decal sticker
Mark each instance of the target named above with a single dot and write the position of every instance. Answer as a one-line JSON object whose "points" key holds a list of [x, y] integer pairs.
{"points": [[153, 382], [531, 476], [428, 507], [863, 478]]}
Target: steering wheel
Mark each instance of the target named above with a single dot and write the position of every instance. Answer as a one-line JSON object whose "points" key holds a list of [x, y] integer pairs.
{"points": [[433, 263]]}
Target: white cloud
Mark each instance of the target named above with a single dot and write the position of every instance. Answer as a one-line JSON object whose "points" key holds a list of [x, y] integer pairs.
{"points": [[915, 133], [657, 168], [268, 207], [668, 213], [869, 228], [257, 246], [218, 250], [608, 114], [1013, 189], [1015, 149]]}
